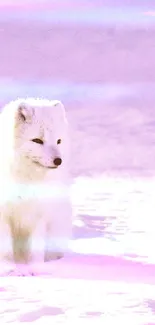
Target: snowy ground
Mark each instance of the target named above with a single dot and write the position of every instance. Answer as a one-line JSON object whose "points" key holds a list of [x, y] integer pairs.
{"points": [[56, 301], [40, 301], [98, 57], [110, 275]]}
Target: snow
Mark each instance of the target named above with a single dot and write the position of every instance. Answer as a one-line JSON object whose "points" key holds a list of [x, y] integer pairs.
{"points": [[101, 280], [57, 300], [78, 297]]}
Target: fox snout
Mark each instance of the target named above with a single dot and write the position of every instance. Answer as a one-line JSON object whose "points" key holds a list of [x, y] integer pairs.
{"points": [[57, 161]]}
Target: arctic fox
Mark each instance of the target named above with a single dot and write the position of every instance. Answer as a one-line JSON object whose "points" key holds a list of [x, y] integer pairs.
{"points": [[35, 207]]}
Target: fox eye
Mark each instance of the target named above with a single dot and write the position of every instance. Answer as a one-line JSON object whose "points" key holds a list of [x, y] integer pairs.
{"points": [[39, 141], [58, 141]]}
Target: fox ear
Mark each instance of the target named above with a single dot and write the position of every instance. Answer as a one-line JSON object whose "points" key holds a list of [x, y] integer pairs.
{"points": [[59, 109], [25, 112]]}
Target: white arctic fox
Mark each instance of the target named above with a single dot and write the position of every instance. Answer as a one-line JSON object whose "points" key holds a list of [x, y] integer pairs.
{"points": [[35, 208]]}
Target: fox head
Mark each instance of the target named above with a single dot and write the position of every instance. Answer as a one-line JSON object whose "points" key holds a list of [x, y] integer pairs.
{"points": [[39, 131]]}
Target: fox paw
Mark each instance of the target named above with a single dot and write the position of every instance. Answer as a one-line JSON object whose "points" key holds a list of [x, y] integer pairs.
{"points": [[20, 272], [49, 256]]}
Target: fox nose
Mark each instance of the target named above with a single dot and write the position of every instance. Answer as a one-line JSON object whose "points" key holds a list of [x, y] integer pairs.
{"points": [[57, 161]]}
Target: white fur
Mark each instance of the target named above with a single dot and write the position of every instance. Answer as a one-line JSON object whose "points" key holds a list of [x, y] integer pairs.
{"points": [[35, 204]]}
